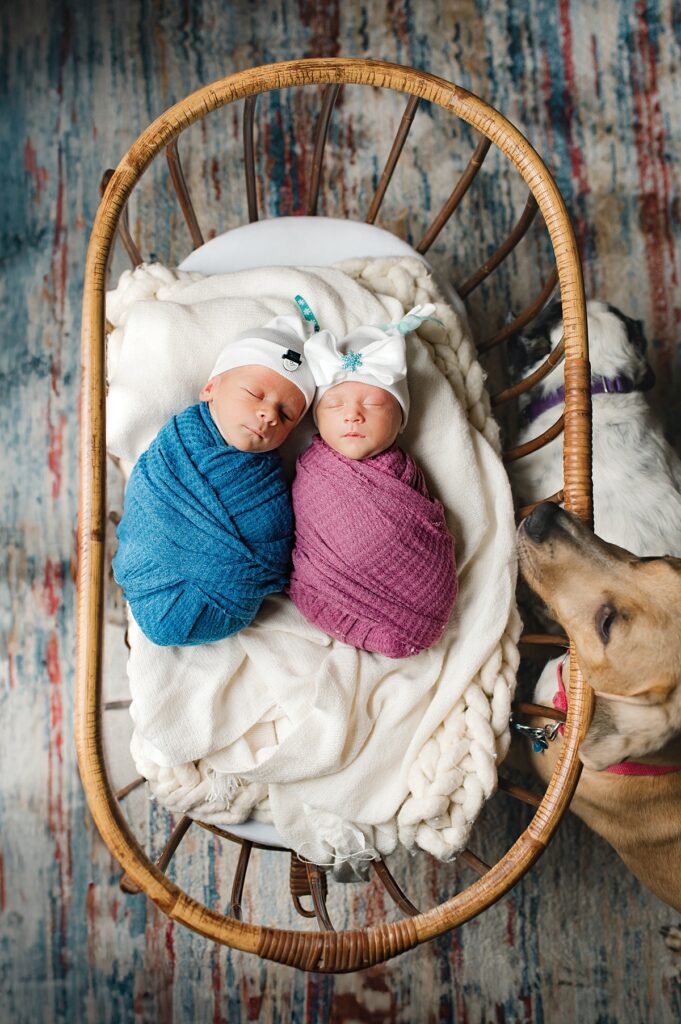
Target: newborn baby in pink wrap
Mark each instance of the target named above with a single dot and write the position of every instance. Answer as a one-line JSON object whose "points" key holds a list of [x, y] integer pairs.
{"points": [[373, 562]]}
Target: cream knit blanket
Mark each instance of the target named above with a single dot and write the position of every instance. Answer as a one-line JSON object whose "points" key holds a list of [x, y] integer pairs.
{"points": [[347, 752]]}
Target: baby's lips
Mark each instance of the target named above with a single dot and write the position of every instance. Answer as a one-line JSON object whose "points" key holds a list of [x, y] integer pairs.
{"points": [[254, 430]]}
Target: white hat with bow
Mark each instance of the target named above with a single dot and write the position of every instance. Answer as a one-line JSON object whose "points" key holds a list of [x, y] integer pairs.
{"points": [[367, 355]]}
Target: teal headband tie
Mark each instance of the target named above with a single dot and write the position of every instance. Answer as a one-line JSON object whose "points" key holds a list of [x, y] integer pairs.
{"points": [[307, 312], [413, 320]]}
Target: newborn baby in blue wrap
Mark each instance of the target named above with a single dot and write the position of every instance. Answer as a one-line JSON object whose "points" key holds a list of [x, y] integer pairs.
{"points": [[207, 527]]}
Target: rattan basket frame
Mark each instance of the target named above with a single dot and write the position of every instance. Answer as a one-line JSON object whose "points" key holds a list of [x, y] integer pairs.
{"points": [[321, 951]]}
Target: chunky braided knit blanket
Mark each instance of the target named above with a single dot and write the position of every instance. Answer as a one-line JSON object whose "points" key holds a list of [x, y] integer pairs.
{"points": [[206, 533], [374, 561], [347, 752]]}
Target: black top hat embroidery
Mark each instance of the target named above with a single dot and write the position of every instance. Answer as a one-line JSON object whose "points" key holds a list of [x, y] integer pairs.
{"points": [[292, 360]]}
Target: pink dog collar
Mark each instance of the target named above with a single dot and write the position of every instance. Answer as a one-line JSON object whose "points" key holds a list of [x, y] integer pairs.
{"points": [[560, 703]]}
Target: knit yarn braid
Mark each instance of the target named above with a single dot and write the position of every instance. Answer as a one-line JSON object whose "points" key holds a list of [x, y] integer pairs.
{"points": [[206, 533]]}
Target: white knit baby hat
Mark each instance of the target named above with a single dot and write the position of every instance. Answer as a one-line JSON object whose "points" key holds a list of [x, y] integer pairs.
{"points": [[279, 345]]}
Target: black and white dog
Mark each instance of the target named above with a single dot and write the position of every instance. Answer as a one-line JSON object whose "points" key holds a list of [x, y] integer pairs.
{"points": [[636, 473]]}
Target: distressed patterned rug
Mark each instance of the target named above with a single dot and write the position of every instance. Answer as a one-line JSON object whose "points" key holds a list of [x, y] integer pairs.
{"points": [[596, 89]]}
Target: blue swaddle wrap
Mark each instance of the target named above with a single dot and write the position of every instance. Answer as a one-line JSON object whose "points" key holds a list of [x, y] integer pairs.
{"points": [[206, 533]]}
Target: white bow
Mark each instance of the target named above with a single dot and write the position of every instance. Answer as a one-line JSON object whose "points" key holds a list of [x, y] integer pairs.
{"points": [[365, 352]]}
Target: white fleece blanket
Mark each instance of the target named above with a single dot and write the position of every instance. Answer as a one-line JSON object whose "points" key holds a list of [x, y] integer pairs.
{"points": [[347, 752]]}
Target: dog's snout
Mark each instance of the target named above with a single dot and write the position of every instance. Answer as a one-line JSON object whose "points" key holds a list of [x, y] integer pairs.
{"points": [[539, 523]]}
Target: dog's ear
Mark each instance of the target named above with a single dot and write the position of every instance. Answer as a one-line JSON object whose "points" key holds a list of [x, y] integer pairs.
{"points": [[604, 744], [620, 730], [639, 343], [640, 689], [634, 329]]}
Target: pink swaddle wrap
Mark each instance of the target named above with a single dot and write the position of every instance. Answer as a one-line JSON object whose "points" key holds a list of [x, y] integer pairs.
{"points": [[373, 563]]}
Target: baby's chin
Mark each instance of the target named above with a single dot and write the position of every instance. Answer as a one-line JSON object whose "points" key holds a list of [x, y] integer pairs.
{"points": [[256, 449], [245, 442], [357, 448]]}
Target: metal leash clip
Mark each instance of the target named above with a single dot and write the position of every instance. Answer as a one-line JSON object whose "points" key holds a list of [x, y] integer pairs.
{"points": [[539, 736]]}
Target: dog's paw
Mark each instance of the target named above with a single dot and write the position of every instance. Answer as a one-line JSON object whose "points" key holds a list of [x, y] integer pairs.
{"points": [[672, 937]]}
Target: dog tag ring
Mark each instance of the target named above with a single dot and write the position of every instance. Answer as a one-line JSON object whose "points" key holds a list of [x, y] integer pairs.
{"points": [[539, 736]]}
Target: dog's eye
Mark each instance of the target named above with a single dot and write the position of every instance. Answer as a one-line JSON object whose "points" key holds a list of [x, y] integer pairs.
{"points": [[605, 617]]}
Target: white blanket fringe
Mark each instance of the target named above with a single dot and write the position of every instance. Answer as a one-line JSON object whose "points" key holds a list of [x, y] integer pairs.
{"points": [[433, 796]]}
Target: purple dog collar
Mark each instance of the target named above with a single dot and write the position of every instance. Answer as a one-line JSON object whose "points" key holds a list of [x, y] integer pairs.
{"points": [[599, 386]]}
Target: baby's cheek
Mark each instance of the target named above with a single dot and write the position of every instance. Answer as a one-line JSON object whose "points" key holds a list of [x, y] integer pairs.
{"points": [[386, 429]]}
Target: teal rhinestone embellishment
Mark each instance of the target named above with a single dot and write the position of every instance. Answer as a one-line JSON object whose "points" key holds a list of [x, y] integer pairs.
{"points": [[351, 361]]}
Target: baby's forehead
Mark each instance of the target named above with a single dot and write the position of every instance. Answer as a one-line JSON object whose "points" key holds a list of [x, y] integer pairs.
{"points": [[355, 389], [263, 374], [254, 372]]}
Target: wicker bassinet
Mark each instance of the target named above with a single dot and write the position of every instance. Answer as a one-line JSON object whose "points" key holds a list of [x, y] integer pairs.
{"points": [[323, 950]]}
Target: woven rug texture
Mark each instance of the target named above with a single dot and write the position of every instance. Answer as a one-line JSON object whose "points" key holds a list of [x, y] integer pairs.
{"points": [[596, 89]]}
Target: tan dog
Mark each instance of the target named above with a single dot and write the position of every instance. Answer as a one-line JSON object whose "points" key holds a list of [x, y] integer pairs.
{"points": [[624, 615]]}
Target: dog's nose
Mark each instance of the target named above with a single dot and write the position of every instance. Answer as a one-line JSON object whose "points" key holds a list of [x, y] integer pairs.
{"points": [[540, 521]]}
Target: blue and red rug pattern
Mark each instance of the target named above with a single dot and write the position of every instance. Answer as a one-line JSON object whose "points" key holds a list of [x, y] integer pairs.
{"points": [[596, 89]]}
